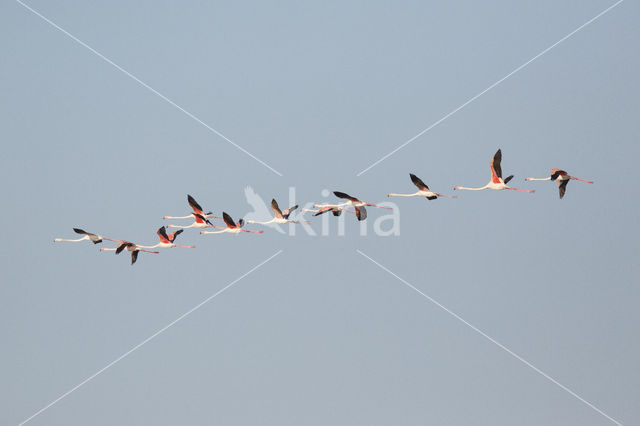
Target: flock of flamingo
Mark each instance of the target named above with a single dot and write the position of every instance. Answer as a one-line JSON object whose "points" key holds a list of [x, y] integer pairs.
{"points": [[201, 219]]}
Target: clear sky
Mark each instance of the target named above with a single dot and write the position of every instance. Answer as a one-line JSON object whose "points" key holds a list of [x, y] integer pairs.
{"points": [[320, 335]]}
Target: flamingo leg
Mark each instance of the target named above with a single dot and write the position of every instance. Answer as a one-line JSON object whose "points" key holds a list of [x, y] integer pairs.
{"points": [[147, 251], [521, 190], [382, 207], [581, 180]]}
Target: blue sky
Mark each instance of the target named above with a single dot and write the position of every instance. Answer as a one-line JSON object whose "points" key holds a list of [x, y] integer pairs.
{"points": [[320, 334]]}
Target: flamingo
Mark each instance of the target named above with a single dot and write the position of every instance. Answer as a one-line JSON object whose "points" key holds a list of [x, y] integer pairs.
{"points": [[232, 227], [200, 222], [95, 239], [496, 182], [423, 190], [333, 208], [167, 240], [280, 217], [196, 210], [129, 246], [563, 179], [359, 205]]}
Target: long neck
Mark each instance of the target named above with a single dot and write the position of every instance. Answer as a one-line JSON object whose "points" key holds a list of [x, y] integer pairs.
{"points": [[57, 240], [213, 232], [262, 223], [178, 217], [530, 178], [193, 225], [150, 247], [471, 189], [415, 194]]}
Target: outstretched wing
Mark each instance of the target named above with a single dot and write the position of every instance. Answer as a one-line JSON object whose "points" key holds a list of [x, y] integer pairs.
{"points": [[508, 178], [134, 256], [173, 235], [288, 211], [194, 205], [122, 245], [93, 237], [322, 210], [276, 209], [556, 173], [162, 233], [496, 169], [361, 213], [345, 196], [562, 187], [418, 182], [227, 219], [240, 223]]}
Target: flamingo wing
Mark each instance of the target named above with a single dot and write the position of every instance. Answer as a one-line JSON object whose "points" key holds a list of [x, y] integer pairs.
{"points": [[276, 209], [324, 210], [173, 235], [162, 233], [361, 213], [418, 182], [228, 220], [134, 256], [345, 196], [336, 212], [93, 237], [562, 187], [122, 245], [556, 173], [288, 211], [496, 169], [194, 205], [240, 223], [508, 178]]}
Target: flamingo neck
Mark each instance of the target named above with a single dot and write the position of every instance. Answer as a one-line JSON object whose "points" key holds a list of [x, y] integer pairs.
{"points": [[472, 189], [404, 195], [530, 178]]}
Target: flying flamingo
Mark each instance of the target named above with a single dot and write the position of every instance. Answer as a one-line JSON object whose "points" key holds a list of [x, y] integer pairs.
{"points": [[200, 222], [167, 240], [129, 246], [423, 190], [563, 179], [361, 212], [333, 208], [496, 181], [87, 236], [280, 217], [232, 227], [196, 210]]}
